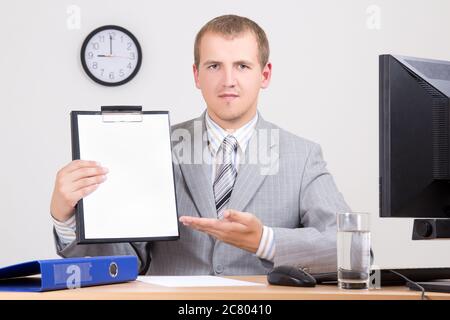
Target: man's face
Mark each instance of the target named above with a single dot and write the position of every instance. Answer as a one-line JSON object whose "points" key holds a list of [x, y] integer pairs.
{"points": [[230, 77]]}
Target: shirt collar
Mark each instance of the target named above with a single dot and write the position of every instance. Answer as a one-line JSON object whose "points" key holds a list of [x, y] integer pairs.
{"points": [[216, 134]]}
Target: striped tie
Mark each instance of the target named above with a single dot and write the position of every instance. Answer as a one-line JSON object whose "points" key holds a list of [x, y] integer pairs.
{"points": [[225, 176]]}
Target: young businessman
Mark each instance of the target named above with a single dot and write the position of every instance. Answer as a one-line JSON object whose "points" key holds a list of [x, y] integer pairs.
{"points": [[235, 217]]}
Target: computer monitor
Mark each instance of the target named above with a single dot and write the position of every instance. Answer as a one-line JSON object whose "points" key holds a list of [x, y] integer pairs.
{"points": [[415, 139], [414, 144], [414, 155]]}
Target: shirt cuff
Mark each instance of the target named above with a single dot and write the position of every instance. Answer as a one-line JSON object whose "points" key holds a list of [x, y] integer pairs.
{"points": [[266, 248], [65, 230]]}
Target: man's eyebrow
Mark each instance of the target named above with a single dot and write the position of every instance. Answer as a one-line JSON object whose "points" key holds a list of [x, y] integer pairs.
{"points": [[244, 62], [208, 62]]}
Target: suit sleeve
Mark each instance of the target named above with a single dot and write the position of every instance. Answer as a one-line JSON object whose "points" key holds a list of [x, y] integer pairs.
{"points": [[139, 249], [313, 245]]}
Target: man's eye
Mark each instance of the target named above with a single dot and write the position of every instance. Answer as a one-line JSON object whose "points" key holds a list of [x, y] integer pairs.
{"points": [[243, 66], [213, 66]]}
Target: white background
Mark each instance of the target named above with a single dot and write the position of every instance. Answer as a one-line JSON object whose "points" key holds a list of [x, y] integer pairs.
{"points": [[324, 88]]}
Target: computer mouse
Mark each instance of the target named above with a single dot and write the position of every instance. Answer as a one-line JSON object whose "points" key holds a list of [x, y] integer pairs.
{"points": [[290, 276]]}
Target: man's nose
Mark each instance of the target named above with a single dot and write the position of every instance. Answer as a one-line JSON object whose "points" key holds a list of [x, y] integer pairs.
{"points": [[229, 77]]}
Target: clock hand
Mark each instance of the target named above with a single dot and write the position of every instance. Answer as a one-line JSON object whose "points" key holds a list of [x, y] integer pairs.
{"points": [[110, 44], [112, 56]]}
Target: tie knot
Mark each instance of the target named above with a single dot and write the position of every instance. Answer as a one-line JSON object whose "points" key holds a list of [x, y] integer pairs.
{"points": [[229, 144]]}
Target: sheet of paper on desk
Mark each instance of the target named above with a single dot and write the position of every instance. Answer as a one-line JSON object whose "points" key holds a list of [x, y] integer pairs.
{"points": [[195, 281]]}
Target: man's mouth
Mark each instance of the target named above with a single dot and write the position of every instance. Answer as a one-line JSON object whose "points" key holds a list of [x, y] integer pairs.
{"points": [[228, 96]]}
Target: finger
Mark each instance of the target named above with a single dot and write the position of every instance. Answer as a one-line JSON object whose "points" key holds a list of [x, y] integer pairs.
{"points": [[86, 172], [221, 228], [73, 197], [205, 224], [185, 219], [86, 182], [84, 192], [226, 237], [77, 164], [189, 219], [197, 227], [212, 232], [200, 223], [237, 216]]}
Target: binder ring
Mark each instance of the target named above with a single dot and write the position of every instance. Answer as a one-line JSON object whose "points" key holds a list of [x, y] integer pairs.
{"points": [[113, 269]]}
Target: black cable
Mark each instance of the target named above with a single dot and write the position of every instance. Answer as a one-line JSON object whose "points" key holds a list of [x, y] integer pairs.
{"points": [[412, 282], [372, 258]]}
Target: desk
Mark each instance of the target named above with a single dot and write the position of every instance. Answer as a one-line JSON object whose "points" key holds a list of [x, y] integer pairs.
{"points": [[144, 291]]}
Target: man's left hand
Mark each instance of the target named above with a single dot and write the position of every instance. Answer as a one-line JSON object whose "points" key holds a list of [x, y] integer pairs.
{"points": [[240, 229]]}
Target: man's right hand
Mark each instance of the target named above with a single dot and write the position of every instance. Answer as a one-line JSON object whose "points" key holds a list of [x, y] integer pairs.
{"points": [[73, 182]]}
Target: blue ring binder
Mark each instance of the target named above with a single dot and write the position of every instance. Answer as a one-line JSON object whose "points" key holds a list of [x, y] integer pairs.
{"points": [[68, 273]]}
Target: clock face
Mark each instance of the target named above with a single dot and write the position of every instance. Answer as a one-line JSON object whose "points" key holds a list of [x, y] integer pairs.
{"points": [[111, 55]]}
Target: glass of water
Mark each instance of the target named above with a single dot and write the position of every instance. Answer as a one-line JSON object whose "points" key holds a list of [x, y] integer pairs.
{"points": [[353, 250]]}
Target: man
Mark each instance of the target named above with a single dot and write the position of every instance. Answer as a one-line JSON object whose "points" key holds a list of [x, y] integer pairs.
{"points": [[237, 216]]}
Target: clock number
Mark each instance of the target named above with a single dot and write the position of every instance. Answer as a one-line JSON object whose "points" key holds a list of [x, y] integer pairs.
{"points": [[95, 45], [113, 35], [94, 65], [102, 71], [121, 39], [132, 56], [111, 75], [101, 38], [129, 46], [129, 66], [121, 73], [90, 55]]}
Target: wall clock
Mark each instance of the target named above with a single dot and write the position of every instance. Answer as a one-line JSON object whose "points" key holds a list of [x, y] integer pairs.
{"points": [[111, 55]]}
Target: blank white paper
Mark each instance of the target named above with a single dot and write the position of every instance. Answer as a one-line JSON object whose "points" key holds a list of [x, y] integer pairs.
{"points": [[195, 281], [138, 198]]}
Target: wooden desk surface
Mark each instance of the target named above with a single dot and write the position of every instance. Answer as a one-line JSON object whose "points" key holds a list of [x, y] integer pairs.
{"points": [[138, 290]]}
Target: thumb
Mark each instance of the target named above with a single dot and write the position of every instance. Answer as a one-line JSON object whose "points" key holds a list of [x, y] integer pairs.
{"points": [[233, 215]]}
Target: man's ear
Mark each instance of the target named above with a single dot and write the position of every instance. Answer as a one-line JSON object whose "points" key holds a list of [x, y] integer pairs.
{"points": [[266, 75], [195, 70]]}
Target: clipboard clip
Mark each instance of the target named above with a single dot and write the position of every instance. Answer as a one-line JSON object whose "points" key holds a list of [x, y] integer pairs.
{"points": [[121, 113]]}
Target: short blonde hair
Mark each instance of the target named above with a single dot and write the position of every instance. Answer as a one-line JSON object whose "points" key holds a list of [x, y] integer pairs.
{"points": [[233, 25]]}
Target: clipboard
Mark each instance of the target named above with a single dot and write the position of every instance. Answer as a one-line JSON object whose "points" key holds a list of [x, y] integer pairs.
{"points": [[137, 202]]}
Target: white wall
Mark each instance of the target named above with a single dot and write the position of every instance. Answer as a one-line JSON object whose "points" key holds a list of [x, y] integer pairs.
{"points": [[324, 87]]}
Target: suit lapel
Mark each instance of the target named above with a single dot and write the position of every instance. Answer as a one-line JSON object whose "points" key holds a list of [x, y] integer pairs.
{"points": [[197, 172], [251, 174], [257, 166]]}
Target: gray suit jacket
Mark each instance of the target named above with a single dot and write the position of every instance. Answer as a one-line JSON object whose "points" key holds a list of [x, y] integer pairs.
{"points": [[289, 190]]}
